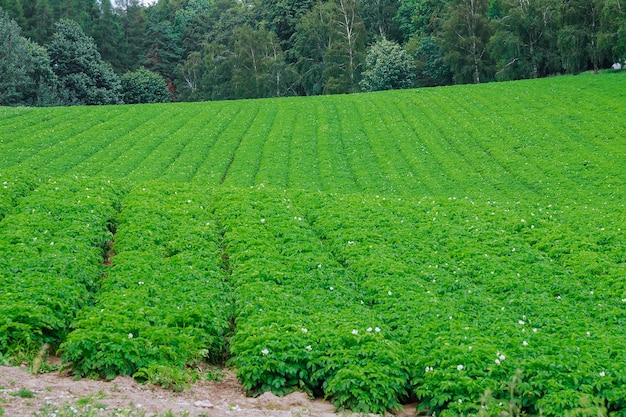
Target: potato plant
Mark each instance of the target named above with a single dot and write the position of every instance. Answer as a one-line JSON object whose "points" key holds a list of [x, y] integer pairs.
{"points": [[463, 247], [164, 302], [53, 244]]}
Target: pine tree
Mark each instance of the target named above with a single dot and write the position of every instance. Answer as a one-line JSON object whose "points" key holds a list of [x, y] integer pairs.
{"points": [[108, 35], [163, 52], [42, 22], [83, 77], [15, 11], [133, 24]]}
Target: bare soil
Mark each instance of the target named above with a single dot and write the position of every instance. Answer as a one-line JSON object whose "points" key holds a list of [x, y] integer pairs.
{"points": [[209, 399]]}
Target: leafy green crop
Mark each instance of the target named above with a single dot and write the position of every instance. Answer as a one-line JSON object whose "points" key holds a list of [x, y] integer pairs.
{"points": [[460, 246], [53, 243], [14, 184], [164, 301]]}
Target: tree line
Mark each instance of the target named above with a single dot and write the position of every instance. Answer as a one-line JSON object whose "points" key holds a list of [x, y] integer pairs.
{"points": [[95, 51]]}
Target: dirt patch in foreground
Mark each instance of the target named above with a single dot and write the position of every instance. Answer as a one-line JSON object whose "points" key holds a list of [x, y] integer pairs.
{"points": [[226, 398]]}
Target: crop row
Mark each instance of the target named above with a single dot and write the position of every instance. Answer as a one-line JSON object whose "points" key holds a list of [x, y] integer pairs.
{"points": [[508, 299], [14, 184], [466, 305], [59, 132], [367, 300], [164, 302], [463, 304], [214, 169], [558, 136], [301, 323], [198, 150], [52, 244]]}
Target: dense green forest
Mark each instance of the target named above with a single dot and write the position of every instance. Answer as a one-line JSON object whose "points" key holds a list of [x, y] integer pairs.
{"points": [[98, 52]]}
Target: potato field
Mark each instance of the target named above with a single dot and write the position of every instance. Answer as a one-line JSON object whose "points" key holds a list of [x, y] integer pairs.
{"points": [[463, 248]]}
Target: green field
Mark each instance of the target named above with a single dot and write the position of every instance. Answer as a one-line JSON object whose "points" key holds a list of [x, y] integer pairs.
{"points": [[461, 247]]}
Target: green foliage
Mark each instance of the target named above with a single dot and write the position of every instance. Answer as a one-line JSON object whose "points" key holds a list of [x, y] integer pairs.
{"points": [[387, 67], [83, 77], [578, 36], [463, 246], [311, 45], [24, 393], [526, 44], [13, 48], [50, 238], [143, 86], [27, 75], [378, 17], [163, 52], [228, 49], [42, 22], [431, 69], [418, 18], [15, 184], [466, 33], [165, 331], [612, 38], [108, 35], [174, 379], [258, 63]]}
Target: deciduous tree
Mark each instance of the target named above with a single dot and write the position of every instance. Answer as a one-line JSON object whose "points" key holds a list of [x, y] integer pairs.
{"points": [[578, 37], [525, 43], [348, 51], [612, 39], [143, 86], [378, 17], [313, 40], [465, 34], [431, 68], [387, 67]]}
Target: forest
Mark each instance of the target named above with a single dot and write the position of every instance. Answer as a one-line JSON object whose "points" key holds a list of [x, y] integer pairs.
{"points": [[72, 52]]}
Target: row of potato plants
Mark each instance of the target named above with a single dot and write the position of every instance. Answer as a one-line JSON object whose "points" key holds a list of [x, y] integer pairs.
{"points": [[526, 139], [277, 147], [133, 157], [14, 184], [335, 172], [245, 163], [53, 244], [496, 307], [93, 150], [542, 133], [304, 163], [301, 321], [368, 165], [164, 302], [384, 130], [215, 168], [198, 151], [51, 138], [191, 128], [76, 138]]}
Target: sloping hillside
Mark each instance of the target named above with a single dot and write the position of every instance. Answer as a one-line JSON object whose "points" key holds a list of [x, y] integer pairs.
{"points": [[462, 247]]}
